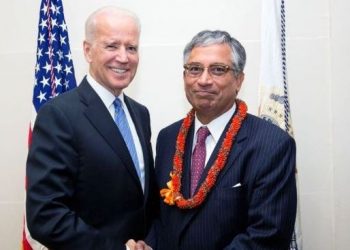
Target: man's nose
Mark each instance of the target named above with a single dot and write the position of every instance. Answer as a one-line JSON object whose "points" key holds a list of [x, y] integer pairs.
{"points": [[122, 55], [205, 78]]}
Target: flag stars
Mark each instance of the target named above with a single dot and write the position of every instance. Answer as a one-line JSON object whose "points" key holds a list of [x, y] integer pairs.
{"points": [[49, 53], [44, 9], [52, 37], [68, 70], [41, 38], [62, 40], [54, 23], [45, 82], [52, 74], [63, 26], [60, 54], [53, 8], [66, 84], [57, 82], [69, 56], [41, 96], [43, 24], [58, 10], [39, 53], [58, 67], [47, 67], [37, 68]]}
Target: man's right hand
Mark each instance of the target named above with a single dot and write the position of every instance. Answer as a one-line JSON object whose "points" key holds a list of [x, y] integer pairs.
{"points": [[139, 245]]}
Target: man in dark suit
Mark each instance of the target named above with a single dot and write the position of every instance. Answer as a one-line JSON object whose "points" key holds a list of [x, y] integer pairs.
{"points": [[91, 186], [227, 178]]}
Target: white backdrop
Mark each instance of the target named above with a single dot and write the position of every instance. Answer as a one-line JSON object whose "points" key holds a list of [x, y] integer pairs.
{"points": [[318, 43]]}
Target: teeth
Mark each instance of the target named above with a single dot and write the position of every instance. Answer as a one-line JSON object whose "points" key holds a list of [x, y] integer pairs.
{"points": [[120, 71]]}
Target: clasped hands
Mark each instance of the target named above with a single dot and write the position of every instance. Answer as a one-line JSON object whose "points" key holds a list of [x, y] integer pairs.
{"points": [[139, 245]]}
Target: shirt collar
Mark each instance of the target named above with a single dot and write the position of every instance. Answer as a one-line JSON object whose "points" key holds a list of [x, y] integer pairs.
{"points": [[106, 96], [216, 126]]}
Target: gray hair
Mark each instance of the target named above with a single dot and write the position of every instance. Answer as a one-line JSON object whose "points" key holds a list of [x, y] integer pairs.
{"points": [[90, 24], [208, 37]]}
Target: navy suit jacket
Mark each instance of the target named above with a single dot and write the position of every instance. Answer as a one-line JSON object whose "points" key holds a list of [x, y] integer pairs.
{"points": [[252, 205], [83, 191]]}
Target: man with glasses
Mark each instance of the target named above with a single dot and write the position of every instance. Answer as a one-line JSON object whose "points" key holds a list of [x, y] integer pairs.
{"points": [[226, 177]]}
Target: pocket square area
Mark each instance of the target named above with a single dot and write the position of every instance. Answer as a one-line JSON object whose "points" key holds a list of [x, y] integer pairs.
{"points": [[237, 185]]}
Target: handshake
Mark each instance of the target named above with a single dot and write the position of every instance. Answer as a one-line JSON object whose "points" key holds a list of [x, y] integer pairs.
{"points": [[139, 245]]}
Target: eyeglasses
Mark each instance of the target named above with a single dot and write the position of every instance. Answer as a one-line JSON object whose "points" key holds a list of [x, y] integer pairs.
{"points": [[196, 70]]}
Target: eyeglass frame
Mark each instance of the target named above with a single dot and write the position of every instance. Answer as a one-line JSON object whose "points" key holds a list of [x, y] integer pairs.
{"points": [[227, 69]]}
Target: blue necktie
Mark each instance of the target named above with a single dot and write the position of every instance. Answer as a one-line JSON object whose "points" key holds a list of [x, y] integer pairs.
{"points": [[122, 123]]}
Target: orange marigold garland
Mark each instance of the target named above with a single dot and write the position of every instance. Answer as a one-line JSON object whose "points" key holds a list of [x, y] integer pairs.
{"points": [[172, 195]]}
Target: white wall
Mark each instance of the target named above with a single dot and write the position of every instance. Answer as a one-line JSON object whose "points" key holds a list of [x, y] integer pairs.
{"points": [[339, 60], [317, 56]]}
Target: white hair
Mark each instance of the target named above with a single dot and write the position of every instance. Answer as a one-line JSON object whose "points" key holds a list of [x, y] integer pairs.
{"points": [[90, 24]]}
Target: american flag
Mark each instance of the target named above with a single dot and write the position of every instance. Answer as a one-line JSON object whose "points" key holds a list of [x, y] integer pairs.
{"points": [[54, 72]]}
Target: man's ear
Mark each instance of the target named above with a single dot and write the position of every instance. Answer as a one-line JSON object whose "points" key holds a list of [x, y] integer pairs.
{"points": [[240, 79], [87, 51]]}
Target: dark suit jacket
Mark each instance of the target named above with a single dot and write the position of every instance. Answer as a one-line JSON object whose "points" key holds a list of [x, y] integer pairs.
{"points": [[83, 191], [259, 214]]}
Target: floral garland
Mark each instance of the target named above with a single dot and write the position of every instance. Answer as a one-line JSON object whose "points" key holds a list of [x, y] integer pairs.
{"points": [[172, 195]]}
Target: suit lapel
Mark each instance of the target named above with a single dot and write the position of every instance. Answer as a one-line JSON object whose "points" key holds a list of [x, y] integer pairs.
{"points": [[186, 178], [235, 151], [184, 216], [101, 119]]}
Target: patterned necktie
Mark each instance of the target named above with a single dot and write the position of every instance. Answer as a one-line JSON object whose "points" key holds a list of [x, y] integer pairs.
{"points": [[122, 123], [198, 157]]}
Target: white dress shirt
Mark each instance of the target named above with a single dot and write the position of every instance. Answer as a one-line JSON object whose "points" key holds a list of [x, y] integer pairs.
{"points": [[216, 128]]}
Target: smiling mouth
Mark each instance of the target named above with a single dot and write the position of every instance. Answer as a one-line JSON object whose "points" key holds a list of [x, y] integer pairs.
{"points": [[204, 92], [119, 70]]}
